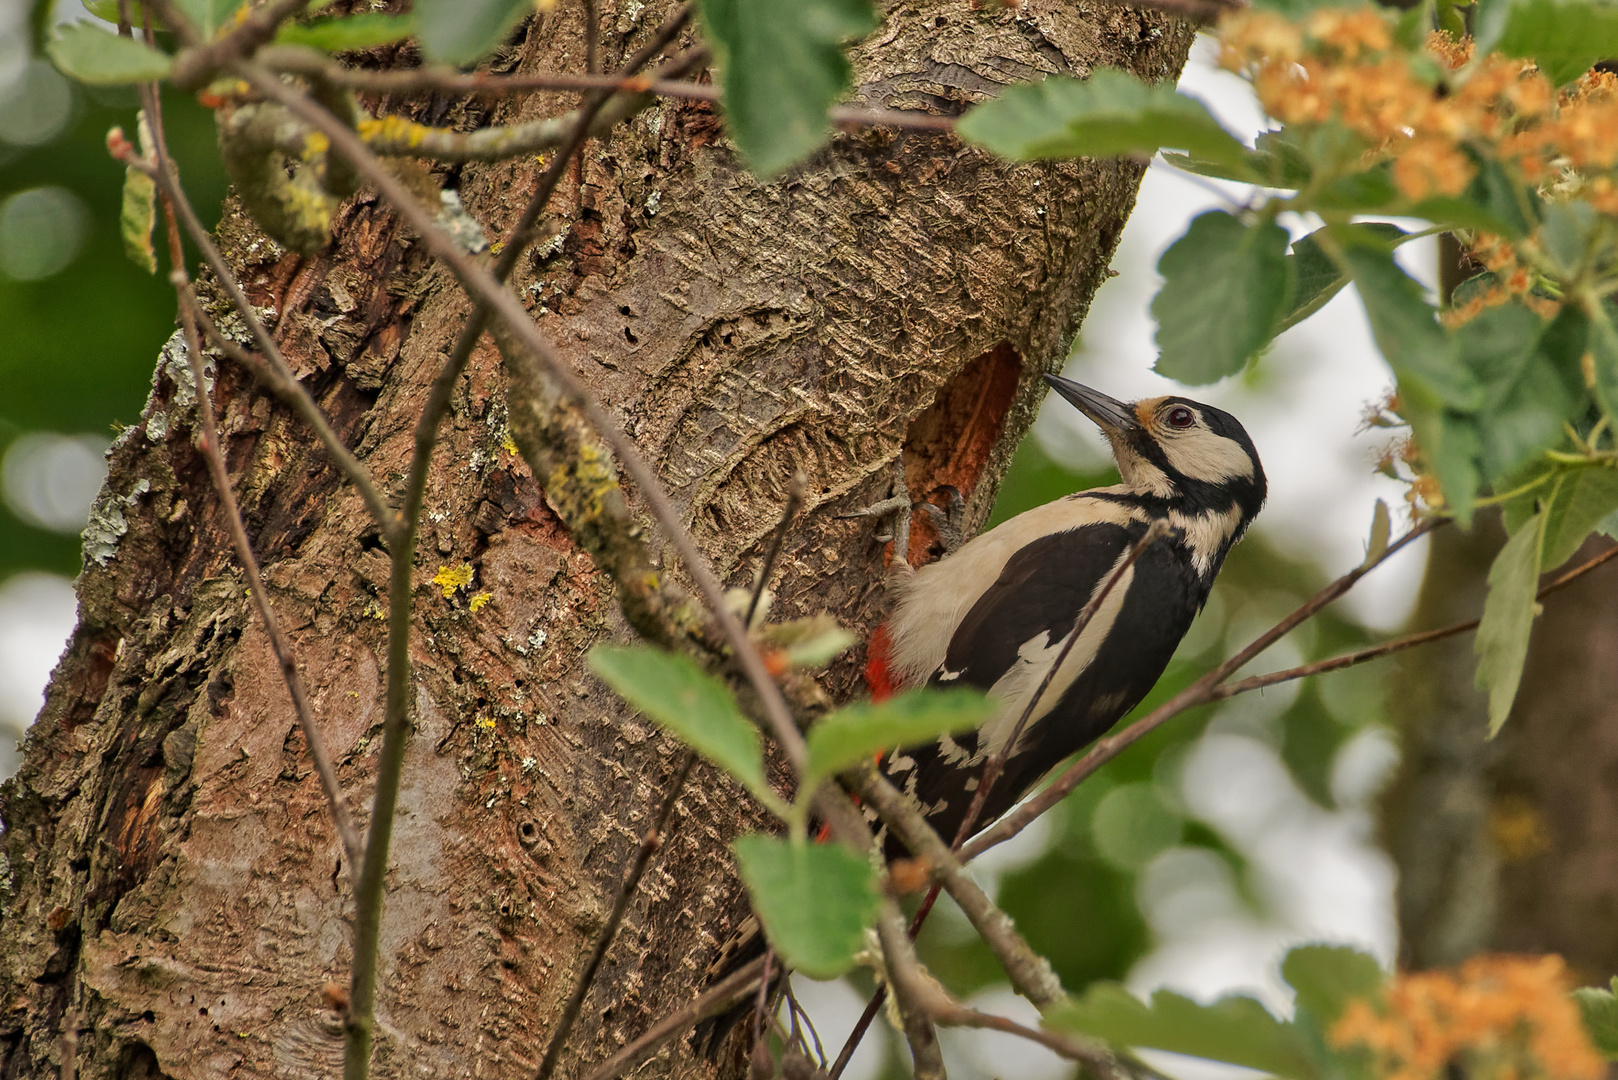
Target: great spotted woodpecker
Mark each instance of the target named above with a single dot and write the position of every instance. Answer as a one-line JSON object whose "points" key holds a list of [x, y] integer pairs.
{"points": [[995, 613]]}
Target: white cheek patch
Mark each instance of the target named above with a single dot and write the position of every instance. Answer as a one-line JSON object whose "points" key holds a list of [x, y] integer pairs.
{"points": [[1205, 456]]}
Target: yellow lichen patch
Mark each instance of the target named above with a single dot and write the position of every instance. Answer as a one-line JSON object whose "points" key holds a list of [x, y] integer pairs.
{"points": [[392, 131], [478, 600], [485, 722], [509, 445], [451, 579], [1494, 1017], [315, 145], [1518, 828]]}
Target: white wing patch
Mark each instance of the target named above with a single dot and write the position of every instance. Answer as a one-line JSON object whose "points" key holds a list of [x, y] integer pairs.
{"points": [[1022, 679]]}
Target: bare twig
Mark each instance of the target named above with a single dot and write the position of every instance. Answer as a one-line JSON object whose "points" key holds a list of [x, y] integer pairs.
{"points": [[649, 845], [794, 501], [300, 60], [592, 37], [717, 999], [1030, 973], [909, 992], [1385, 648], [952, 1013], [1198, 693]]}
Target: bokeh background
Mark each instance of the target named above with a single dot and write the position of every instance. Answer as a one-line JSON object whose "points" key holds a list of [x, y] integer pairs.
{"points": [[1193, 861]]}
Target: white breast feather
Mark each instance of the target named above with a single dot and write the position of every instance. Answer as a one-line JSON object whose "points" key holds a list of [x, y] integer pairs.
{"points": [[937, 597]]}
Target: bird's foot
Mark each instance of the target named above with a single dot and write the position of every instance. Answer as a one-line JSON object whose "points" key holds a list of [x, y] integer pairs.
{"points": [[950, 521], [896, 510]]}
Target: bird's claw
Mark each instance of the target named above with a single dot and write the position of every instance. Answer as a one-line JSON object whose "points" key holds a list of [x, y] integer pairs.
{"points": [[949, 521]]}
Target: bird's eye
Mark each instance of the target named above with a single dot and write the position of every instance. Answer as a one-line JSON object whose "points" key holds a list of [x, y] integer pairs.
{"points": [[1181, 417]]}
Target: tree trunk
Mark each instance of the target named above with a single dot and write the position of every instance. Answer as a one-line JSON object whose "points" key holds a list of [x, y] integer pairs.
{"points": [[176, 894], [1509, 845]]}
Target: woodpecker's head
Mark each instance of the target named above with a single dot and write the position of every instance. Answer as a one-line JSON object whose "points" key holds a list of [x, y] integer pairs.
{"points": [[1194, 456]]}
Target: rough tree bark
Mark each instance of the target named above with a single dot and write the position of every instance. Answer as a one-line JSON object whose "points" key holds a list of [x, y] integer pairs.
{"points": [[175, 892]]}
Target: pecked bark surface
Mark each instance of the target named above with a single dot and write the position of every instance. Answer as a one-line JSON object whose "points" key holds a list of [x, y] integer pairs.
{"points": [[175, 900]]}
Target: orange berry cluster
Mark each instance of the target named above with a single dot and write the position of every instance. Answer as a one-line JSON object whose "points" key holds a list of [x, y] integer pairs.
{"points": [[1495, 1018]]}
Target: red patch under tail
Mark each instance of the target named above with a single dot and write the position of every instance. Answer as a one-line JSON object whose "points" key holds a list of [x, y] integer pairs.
{"points": [[878, 676]]}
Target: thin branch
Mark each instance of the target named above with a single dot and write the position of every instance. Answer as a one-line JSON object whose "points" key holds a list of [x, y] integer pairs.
{"points": [[952, 1013], [480, 284], [592, 37], [301, 60], [1198, 693], [795, 492], [1030, 973], [201, 60], [1374, 652], [718, 998], [649, 845], [910, 991], [280, 378], [213, 452]]}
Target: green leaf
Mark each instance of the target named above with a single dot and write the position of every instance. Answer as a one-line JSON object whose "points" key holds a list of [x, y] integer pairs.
{"points": [[1317, 277], [1452, 442], [1110, 113], [362, 31], [694, 705], [855, 732], [813, 641], [1599, 1009], [1237, 1030], [209, 17], [1508, 617], [782, 66], [1603, 345], [1524, 403], [1564, 37], [1225, 285], [1273, 162], [1328, 977], [1423, 356], [94, 56], [815, 900], [1583, 496], [461, 31]]}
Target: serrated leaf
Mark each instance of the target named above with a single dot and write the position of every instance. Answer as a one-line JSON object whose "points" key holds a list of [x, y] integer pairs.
{"points": [[1564, 37], [815, 900], [461, 31], [694, 705], [1233, 1029], [1110, 113], [1599, 1010], [782, 66], [365, 30], [99, 58], [1583, 497], [1422, 354], [1225, 285], [137, 217], [1524, 403], [855, 732], [1317, 277], [1508, 619], [1328, 977]]}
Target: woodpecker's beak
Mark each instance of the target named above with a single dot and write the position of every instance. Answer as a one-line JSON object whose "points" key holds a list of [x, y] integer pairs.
{"points": [[1113, 416]]}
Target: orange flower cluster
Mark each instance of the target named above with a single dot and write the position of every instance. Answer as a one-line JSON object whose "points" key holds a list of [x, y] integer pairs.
{"points": [[1418, 109], [1497, 1017]]}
